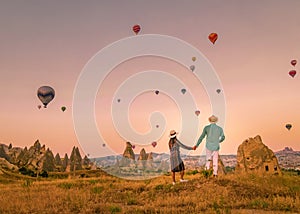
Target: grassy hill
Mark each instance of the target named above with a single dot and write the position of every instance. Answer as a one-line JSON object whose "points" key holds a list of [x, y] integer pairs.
{"points": [[97, 192]]}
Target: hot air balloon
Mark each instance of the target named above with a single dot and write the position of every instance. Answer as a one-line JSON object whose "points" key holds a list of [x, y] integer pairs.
{"points": [[103, 145], [183, 91], [45, 94], [119, 100], [157, 126], [39, 106], [197, 112], [194, 58], [136, 29], [133, 146], [156, 92], [192, 67], [153, 143], [63, 108], [288, 126], [218, 91], [292, 73], [294, 62], [213, 37]]}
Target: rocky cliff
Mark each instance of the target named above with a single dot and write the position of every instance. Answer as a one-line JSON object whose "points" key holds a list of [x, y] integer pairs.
{"points": [[38, 159]]}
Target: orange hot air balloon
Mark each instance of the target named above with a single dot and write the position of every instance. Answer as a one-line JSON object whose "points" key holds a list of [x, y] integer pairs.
{"points": [[292, 73], [136, 29], [213, 37], [294, 62]]}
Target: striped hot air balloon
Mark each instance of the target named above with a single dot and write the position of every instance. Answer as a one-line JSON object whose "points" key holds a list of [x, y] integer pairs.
{"points": [[136, 29]]}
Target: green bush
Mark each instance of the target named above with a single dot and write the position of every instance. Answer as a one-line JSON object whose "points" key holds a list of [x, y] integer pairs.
{"points": [[115, 209]]}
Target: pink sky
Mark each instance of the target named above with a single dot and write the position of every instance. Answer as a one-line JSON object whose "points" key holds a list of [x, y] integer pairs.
{"points": [[49, 43]]}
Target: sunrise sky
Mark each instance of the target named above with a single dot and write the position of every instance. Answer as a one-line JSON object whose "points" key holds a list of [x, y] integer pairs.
{"points": [[50, 42]]}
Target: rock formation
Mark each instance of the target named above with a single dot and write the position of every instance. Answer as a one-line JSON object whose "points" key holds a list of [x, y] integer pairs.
{"points": [[65, 163], [58, 162], [47, 162], [145, 160], [86, 163], [254, 156], [39, 159], [142, 159], [5, 165], [75, 160], [128, 153], [128, 156], [143, 155]]}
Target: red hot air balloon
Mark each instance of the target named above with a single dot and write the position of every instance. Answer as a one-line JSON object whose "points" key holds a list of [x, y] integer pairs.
{"points": [[39, 106], [197, 112], [294, 62], [136, 29], [133, 146], [292, 73], [213, 37], [154, 143], [156, 92]]}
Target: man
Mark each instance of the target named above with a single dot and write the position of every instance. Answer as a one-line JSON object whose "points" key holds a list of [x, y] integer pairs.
{"points": [[214, 136]]}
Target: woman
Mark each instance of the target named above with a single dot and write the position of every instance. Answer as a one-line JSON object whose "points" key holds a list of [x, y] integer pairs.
{"points": [[177, 164]]}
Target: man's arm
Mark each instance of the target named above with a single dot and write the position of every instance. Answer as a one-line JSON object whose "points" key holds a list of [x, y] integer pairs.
{"points": [[202, 136], [222, 136]]}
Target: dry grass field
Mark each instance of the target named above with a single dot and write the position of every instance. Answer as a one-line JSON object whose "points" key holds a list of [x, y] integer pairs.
{"points": [[97, 192]]}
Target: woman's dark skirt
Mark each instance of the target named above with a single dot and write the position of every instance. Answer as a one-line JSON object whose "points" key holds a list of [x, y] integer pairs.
{"points": [[179, 167]]}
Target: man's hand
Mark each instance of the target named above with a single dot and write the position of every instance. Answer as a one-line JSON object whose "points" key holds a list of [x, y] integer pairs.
{"points": [[194, 147]]}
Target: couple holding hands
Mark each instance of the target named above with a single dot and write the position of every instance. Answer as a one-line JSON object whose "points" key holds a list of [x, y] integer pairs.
{"points": [[214, 136]]}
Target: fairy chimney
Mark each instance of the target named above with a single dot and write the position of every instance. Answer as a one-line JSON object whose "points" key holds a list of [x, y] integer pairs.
{"points": [[142, 158], [143, 155], [254, 156], [128, 155]]}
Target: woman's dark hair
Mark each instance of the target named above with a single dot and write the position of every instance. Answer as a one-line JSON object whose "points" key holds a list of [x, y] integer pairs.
{"points": [[172, 141]]}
